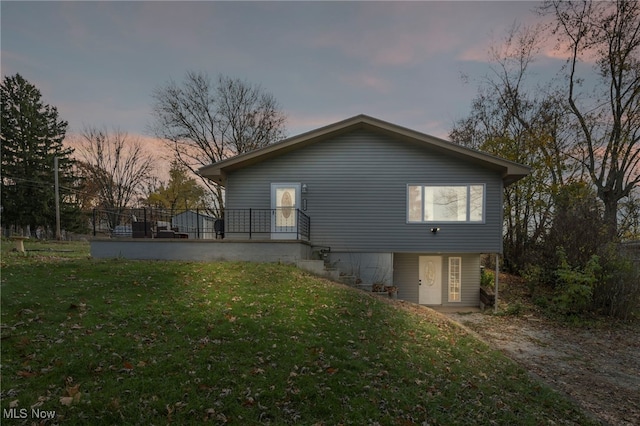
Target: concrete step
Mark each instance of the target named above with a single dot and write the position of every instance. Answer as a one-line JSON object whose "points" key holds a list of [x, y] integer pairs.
{"points": [[317, 267], [364, 287], [349, 280]]}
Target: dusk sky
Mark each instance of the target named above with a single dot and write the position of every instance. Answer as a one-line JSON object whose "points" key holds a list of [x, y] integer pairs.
{"points": [[402, 62]]}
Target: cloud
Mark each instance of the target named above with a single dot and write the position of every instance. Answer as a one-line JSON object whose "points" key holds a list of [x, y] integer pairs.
{"points": [[476, 53], [298, 123], [157, 148], [562, 51], [390, 34], [367, 81], [388, 47], [13, 62]]}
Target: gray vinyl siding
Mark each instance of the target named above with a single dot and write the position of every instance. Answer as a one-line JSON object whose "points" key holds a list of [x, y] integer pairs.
{"points": [[405, 277], [357, 194], [470, 286]]}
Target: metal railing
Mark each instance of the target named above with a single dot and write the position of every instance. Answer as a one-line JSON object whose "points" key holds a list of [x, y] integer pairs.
{"points": [[281, 223]]}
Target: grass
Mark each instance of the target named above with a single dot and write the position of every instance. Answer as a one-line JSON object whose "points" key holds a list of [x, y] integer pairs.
{"points": [[139, 342]]}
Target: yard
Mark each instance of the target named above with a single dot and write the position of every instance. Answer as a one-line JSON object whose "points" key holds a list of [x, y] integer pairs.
{"points": [[143, 342], [594, 361]]}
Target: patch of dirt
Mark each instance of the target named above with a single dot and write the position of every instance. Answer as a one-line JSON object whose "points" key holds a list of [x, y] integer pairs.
{"points": [[598, 366]]}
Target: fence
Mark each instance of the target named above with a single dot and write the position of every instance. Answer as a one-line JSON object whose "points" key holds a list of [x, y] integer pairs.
{"points": [[282, 223]]}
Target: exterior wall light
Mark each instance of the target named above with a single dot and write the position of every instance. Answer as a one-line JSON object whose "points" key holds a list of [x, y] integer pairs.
{"points": [[434, 230], [304, 188]]}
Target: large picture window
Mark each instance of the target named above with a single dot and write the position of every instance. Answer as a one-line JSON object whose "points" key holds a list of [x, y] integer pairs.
{"points": [[445, 203]]}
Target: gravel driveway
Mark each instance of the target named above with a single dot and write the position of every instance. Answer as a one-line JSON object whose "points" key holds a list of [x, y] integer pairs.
{"points": [[597, 367]]}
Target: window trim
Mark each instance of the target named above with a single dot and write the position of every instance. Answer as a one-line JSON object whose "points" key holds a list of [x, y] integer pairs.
{"points": [[468, 220], [449, 281]]}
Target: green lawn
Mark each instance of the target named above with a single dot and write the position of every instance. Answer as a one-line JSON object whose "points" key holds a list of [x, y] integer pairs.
{"points": [[139, 342]]}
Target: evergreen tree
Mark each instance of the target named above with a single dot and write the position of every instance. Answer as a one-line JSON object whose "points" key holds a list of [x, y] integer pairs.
{"points": [[31, 135]]}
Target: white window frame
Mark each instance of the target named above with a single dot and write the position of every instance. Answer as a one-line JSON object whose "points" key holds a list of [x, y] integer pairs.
{"points": [[454, 285], [416, 215]]}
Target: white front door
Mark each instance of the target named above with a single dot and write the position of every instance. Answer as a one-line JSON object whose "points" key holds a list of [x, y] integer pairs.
{"points": [[430, 280], [285, 200]]}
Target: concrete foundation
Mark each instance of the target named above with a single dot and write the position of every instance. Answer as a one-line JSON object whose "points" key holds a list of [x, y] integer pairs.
{"points": [[202, 250]]}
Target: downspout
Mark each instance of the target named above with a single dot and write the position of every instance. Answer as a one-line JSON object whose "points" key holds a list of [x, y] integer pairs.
{"points": [[495, 301]]}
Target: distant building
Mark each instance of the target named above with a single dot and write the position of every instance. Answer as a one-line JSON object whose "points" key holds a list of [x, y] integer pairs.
{"points": [[197, 225]]}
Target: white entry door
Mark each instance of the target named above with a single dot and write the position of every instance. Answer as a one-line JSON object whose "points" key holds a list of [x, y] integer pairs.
{"points": [[285, 200], [430, 280]]}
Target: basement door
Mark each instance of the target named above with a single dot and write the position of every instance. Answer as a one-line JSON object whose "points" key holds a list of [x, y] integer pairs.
{"points": [[285, 200], [430, 280]]}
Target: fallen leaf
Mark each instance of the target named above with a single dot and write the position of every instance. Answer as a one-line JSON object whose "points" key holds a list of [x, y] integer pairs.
{"points": [[66, 400], [209, 413], [41, 400], [73, 390], [115, 404]]}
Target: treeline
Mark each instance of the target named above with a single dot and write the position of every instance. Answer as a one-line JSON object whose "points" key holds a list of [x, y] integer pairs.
{"points": [[201, 121], [564, 222]]}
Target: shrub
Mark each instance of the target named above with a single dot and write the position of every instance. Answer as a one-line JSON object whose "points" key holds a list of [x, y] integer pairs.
{"points": [[513, 309], [576, 205], [575, 286], [541, 302], [533, 276], [618, 292], [486, 279]]}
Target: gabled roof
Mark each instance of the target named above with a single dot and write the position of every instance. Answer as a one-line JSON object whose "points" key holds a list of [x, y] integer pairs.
{"points": [[510, 171]]}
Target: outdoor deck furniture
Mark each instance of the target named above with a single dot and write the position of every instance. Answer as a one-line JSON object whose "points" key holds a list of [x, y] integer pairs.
{"points": [[165, 233], [218, 227], [141, 229]]}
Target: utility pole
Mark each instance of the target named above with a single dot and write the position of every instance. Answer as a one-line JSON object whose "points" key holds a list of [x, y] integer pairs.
{"points": [[57, 189], [495, 303]]}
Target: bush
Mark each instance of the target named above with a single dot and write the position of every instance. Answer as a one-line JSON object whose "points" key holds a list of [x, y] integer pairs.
{"points": [[608, 284], [575, 286], [541, 302], [487, 279], [618, 292], [533, 276], [576, 205], [513, 309]]}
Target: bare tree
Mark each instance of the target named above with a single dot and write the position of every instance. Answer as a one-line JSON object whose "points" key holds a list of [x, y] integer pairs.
{"points": [[205, 122], [517, 120], [117, 166], [607, 121]]}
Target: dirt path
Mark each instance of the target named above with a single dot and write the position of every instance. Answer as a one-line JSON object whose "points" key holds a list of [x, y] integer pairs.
{"points": [[599, 368]]}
